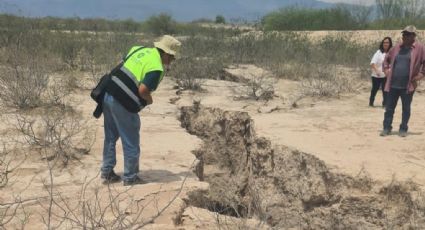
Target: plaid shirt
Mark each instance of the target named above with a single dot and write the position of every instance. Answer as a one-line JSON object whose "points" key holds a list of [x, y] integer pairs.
{"points": [[417, 64]]}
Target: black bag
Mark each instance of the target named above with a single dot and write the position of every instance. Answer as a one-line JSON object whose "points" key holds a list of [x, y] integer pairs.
{"points": [[98, 92]]}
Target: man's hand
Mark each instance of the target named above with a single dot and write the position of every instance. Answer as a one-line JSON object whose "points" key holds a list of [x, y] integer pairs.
{"points": [[387, 72], [418, 77], [145, 93]]}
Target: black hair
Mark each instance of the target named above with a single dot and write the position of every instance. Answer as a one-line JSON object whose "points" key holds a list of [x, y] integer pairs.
{"points": [[381, 46]]}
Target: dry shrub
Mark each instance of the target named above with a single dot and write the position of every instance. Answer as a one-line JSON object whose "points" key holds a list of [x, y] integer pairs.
{"points": [[9, 161], [13, 212], [57, 133], [97, 206], [22, 84], [59, 88], [261, 87], [327, 82], [401, 206], [189, 73], [363, 181], [25, 78], [418, 219]]}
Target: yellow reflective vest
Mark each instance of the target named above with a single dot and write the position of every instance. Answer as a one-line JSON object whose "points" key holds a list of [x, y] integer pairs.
{"points": [[125, 81], [143, 62]]}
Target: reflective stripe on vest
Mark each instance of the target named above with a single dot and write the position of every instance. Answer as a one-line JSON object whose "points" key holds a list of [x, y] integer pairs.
{"points": [[130, 93], [130, 75]]}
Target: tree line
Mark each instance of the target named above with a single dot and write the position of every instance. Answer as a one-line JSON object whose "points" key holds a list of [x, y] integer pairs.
{"points": [[385, 14]]}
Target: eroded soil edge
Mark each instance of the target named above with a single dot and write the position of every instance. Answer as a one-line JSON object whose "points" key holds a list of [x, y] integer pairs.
{"points": [[251, 178]]}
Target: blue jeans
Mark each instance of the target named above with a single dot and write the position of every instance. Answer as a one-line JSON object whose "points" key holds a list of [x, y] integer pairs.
{"points": [[391, 104], [118, 122]]}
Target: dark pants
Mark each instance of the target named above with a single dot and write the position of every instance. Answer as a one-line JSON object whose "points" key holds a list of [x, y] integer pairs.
{"points": [[391, 104], [376, 84]]}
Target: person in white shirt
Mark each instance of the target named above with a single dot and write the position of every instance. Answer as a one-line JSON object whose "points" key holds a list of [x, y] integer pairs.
{"points": [[378, 76]]}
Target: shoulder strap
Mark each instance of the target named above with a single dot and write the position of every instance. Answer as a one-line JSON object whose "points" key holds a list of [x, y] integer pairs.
{"points": [[125, 59], [128, 56]]}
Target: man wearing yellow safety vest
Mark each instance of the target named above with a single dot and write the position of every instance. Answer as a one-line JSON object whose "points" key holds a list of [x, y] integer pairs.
{"points": [[128, 91]]}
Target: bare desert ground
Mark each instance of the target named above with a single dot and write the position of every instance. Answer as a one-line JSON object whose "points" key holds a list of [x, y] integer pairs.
{"points": [[309, 160]]}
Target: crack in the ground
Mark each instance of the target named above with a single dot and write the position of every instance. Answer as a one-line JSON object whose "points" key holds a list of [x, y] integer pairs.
{"points": [[287, 188]]}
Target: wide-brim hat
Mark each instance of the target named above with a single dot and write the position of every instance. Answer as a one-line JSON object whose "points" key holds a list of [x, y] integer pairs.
{"points": [[409, 29], [168, 44]]}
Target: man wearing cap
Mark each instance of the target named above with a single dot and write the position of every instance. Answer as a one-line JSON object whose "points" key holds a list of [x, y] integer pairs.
{"points": [[404, 67], [128, 91]]}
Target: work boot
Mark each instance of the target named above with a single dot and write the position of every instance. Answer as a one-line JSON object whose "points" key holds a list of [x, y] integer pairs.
{"points": [[402, 133], [136, 180], [110, 177], [385, 132]]}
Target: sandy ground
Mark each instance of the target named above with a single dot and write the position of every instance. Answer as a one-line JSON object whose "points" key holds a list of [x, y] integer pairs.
{"points": [[342, 132], [166, 161]]}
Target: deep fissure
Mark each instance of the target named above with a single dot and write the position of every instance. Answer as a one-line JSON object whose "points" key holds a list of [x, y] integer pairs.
{"points": [[251, 178]]}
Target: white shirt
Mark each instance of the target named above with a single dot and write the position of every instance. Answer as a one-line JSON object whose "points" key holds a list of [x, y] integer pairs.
{"points": [[378, 59]]}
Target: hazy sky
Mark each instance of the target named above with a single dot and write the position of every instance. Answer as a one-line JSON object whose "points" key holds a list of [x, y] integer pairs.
{"points": [[181, 10], [365, 2]]}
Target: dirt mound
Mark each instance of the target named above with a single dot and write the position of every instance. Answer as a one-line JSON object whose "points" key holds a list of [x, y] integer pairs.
{"points": [[287, 188]]}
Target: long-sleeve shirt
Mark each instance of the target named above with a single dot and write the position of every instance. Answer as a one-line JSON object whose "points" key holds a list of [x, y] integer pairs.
{"points": [[417, 64]]}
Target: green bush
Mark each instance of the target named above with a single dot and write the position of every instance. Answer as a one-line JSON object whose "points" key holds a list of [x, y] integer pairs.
{"points": [[160, 24], [309, 19], [219, 19]]}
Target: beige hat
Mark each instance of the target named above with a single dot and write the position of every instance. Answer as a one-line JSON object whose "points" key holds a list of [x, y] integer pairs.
{"points": [[409, 29], [168, 44]]}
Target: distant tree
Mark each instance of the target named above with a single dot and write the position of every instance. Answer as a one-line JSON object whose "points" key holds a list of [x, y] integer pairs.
{"points": [[412, 9], [337, 18], [219, 19], [130, 26], [388, 8], [360, 14], [161, 24]]}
